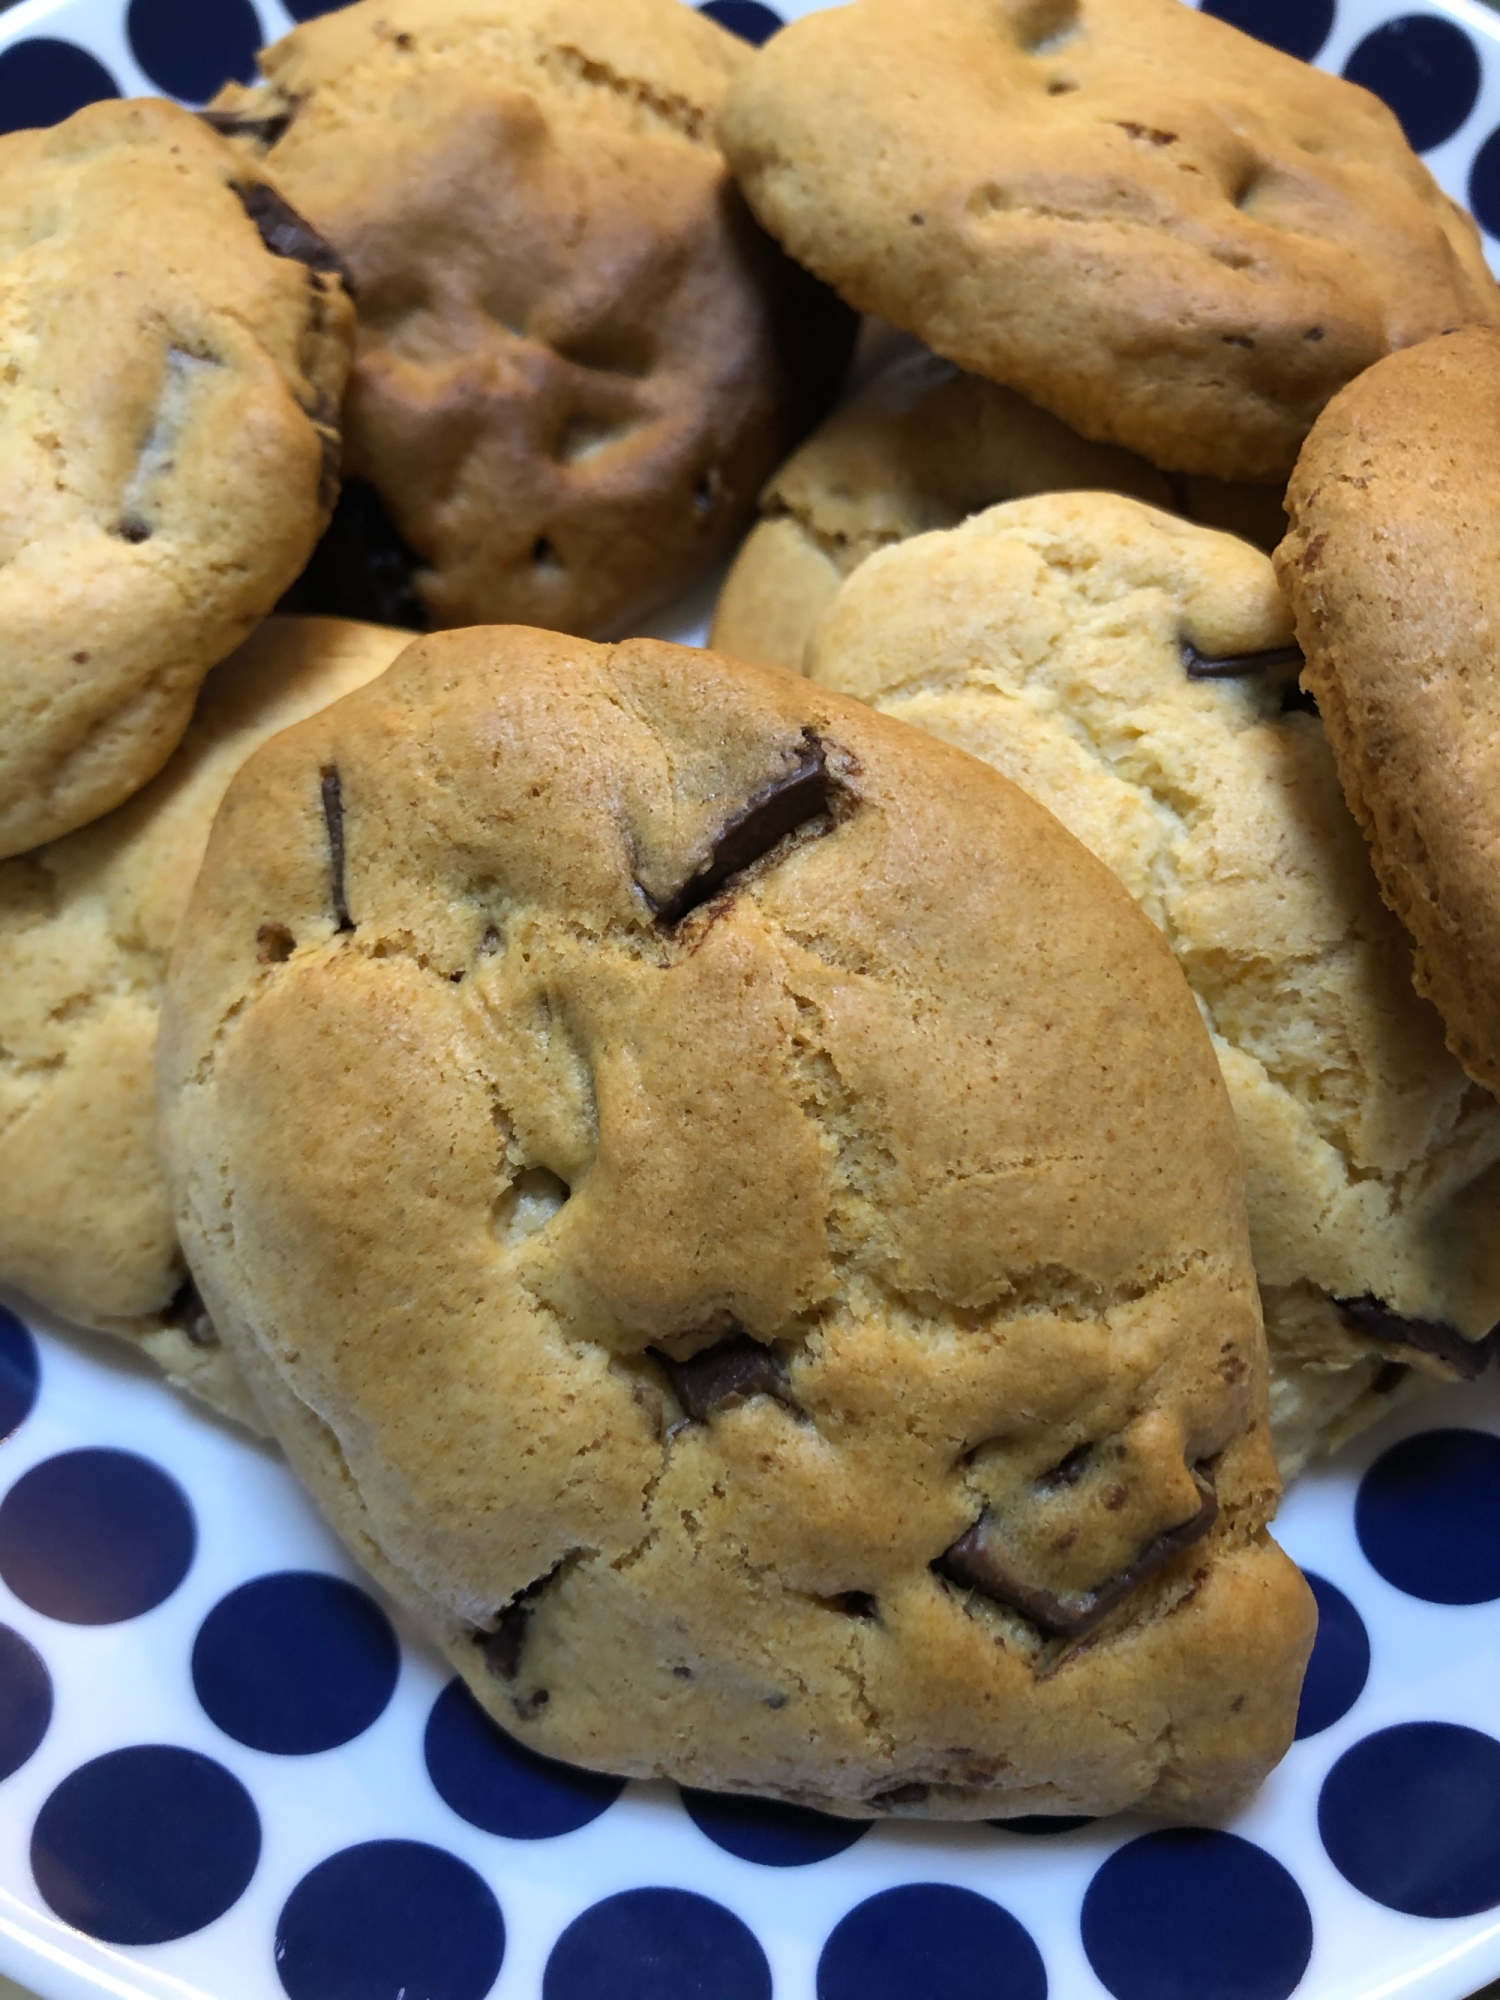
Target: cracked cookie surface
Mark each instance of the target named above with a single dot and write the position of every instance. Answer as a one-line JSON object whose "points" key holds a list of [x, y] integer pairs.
{"points": [[733, 1214], [86, 927], [922, 446], [578, 355], [1392, 571], [155, 501], [1176, 238], [1133, 673]]}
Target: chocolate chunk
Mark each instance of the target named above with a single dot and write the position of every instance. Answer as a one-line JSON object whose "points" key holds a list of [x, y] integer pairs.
{"points": [[361, 568], [274, 944], [502, 1647], [973, 1562], [189, 1315], [131, 528], [333, 814], [787, 803], [286, 234], [1234, 665], [265, 131], [727, 1372], [1465, 1360]]}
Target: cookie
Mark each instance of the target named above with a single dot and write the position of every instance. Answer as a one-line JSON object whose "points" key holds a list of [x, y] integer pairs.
{"points": [[86, 926], [1135, 673], [1392, 568], [759, 1287], [921, 446], [155, 498], [1174, 237], [578, 356]]}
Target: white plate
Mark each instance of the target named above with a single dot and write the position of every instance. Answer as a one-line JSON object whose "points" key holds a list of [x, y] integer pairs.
{"points": [[247, 1796]]}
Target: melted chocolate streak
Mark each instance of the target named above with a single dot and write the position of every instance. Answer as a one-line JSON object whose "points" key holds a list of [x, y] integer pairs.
{"points": [[760, 825], [1465, 1359], [972, 1563], [1234, 665], [333, 816], [286, 234]]}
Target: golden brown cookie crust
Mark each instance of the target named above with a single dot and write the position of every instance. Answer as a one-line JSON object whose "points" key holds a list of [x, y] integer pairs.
{"points": [[512, 1134], [1176, 238], [1064, 639], [86, 925], [151, 510], [1392, 567], [578, 355], [922, 446]]}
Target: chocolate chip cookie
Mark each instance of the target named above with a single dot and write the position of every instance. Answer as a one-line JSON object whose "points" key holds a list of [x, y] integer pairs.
{"points": [[86, 926], [1392, 567], [174, 343], [578, 356], [732, 1212], [920, 446], [1137, 675], [1176, 238]]}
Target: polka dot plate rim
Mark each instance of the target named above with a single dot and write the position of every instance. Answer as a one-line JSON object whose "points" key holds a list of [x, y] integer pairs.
{"points": [[180, 1818]]}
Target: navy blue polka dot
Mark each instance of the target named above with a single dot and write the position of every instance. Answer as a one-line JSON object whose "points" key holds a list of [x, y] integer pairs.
{"points": [[389, 1919], [295, 1662], [145, 1844], [190, 51], [1044, 1823], [43, 81], [1340, 1662], [765, 1830], [1484, 184], [1300, 27], [1186, 1912], [20, 1370], [95, 1536], [930, 1939], [1411, 1816], [656, 1944], [25, 1700], [496, 1783], [1426, 69], [1426, 1512], [748, 19]]}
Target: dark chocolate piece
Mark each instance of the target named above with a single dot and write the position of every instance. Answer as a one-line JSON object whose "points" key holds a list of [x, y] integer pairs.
{"points": [[189, 1314], [333, 814], [1465, 1359], [1234, 665], [286, 234], [361, 568], [727, 1372], [973, 1563], [502, 1647], [131, 528], [787, 803], [274, 944], [264, 131]]}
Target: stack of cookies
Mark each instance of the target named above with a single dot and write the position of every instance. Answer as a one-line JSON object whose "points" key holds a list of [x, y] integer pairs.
{"points": [[793, 1203]]}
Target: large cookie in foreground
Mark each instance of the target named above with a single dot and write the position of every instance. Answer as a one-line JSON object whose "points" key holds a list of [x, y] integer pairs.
{"points": [[919, 446], [1174, 237], [86, 926], [1392, 567], [173, 347], [578, 355], [1133, 673], [759, 1286]]}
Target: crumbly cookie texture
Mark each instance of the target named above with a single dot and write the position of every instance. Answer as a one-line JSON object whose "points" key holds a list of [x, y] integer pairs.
{"points": [[1392, 567], [733, 1213], [86, 925], [922, 445], [1133, 673], [578, 355], [1178, 239], [159, 492]]}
